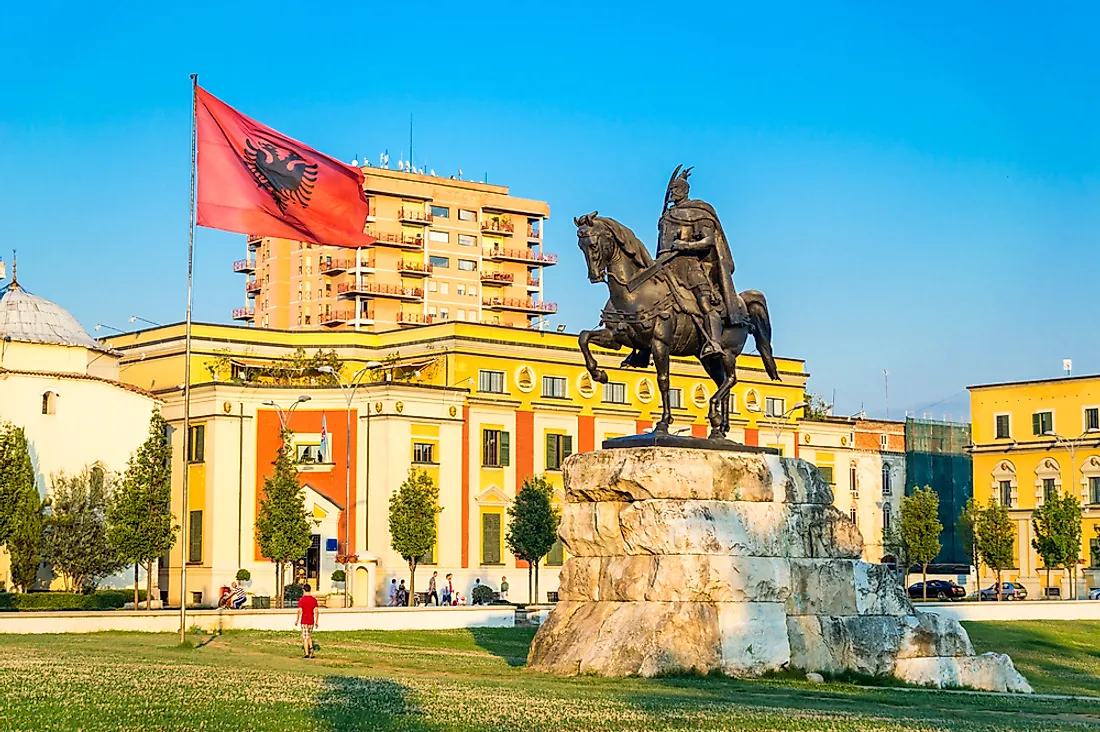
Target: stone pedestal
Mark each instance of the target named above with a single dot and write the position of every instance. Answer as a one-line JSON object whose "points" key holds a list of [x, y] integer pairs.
{"points": [[705, 560]]}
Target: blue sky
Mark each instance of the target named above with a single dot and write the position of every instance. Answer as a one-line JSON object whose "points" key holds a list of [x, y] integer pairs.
{"points": [[914, 188]]}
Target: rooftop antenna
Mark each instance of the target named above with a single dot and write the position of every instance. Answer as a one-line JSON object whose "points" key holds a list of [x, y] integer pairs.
{"points": [[886, 389], [1067, 363], [14, 264], [355, 160], [411, 140]]}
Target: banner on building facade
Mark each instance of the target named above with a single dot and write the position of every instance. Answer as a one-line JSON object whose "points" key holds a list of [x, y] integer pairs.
{"points": [[254, 180]]}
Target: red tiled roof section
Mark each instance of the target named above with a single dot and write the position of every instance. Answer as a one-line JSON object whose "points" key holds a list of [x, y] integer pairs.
{"points": [[82, 377]]}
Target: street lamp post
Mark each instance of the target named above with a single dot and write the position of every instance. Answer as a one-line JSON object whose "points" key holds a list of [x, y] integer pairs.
{"points": [[348, 388], [1071, 446], [780, 422]]}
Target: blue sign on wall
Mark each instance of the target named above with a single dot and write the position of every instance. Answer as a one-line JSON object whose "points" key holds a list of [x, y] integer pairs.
{"points": [[331, 545]]}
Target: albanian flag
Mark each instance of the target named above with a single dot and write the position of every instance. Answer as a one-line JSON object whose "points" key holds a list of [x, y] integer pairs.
{"points": [[253, 180]]}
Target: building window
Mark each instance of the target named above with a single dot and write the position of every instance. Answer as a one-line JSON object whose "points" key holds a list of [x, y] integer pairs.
{"points": [[614, 392], [883, 442], [491, 537], [441, 212], [1042, 423], [196, 445], [444, 288], [1006, 493], [1092, 418], [558, 448], [490, 381], [467, 265], [423, 452], [556, 556], [1094, 489], [461, 314], [852, 515], [432, 286], [460, 289], [886, 490], [826, 472], [444, 313], [309, 454], [440, 262], [440, 237], [465, 214], [194, 538], [49, 402], [774, 407], [852, 479], [886, 516], [1002, 427], [1050, 491], [675, 398], [553, 386], [495, 448], [307, 320], [466, 240]]}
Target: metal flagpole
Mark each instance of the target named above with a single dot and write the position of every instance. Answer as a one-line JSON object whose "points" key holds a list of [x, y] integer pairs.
{"points": [[185, 522]]}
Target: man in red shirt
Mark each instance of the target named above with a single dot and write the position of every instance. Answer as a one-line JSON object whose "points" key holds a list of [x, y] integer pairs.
{"points": [[307, 618]]}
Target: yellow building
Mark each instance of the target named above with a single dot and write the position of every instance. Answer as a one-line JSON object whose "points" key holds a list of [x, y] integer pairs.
{"points": [[1031, 439], [447, 250], [480, 407]]}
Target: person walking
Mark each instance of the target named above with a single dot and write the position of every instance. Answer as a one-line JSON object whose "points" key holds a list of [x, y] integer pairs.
{"points": [[432, 591], [308, 614], [503, 588], [448, 591], [393, 593]]}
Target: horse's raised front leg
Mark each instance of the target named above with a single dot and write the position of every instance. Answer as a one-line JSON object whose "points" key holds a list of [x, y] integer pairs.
{"points": [[661, 361], [602, 337]]}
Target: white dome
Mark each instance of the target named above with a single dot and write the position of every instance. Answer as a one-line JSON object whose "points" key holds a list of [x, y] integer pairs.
{"points": [[27, 318]]}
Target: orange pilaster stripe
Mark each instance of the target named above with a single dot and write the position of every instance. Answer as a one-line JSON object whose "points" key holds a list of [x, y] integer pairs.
{"points": [[752, 436], [586, 433], [466, 448]]}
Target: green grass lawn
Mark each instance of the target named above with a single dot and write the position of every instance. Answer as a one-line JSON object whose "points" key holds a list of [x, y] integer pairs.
{"points": [[474, 680]]}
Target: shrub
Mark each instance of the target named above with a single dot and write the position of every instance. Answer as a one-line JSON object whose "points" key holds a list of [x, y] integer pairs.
{"points": [[338, 576], [482, 595], [243, 575], [99, 600], [293, 593]]}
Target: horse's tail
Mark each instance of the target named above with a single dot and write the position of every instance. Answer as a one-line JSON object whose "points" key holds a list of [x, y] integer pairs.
{"points": [[760, 324]]}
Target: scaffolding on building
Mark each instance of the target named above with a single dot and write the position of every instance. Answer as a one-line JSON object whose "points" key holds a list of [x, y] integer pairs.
{"points": [[936, 455]]}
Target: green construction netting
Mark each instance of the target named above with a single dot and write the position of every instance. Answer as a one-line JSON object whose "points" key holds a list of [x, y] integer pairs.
{"points": [[936, 456]]}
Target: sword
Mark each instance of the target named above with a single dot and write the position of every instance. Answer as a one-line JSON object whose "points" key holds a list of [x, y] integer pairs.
{"points": [[651, 270]]}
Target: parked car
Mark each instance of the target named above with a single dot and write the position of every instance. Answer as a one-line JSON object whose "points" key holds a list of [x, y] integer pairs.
{"points": [[1094, 594], [1009, 591], [937, 590]]}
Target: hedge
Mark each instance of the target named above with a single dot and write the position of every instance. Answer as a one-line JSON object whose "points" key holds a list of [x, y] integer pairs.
{"points": [[98, 600]]}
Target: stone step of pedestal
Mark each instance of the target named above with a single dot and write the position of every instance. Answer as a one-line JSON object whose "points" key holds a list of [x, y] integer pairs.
{"points": [[739, 528]]}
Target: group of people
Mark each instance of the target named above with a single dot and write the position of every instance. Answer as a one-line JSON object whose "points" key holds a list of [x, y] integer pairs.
{"points": [[233, 597], [445, 595]]}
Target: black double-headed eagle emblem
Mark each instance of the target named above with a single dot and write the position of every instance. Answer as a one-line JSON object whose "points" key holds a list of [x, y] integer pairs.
{"points": [[284, 174]]}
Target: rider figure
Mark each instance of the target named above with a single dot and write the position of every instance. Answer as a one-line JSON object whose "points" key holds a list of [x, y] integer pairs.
{"points": [[702, 262]]}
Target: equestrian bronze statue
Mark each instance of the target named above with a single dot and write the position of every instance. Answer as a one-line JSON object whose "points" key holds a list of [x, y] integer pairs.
{"points": [[681, 304]]}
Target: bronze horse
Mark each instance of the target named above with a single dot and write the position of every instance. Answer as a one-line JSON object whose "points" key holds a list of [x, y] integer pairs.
{"points": [[652, 319]]}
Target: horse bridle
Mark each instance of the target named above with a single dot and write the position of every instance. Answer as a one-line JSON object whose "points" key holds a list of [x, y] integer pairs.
{"points": [[606, 265]]}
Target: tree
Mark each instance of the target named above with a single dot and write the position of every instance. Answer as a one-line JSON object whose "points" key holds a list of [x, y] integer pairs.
{"points": [[414, 509], [16, 475], [283, 530], [1047, 542], [76, 529], [964, 527], [533, 527], [140, 524], [921, 527], [25, 539], [1068, 529], [995, 536], [816, 406]]}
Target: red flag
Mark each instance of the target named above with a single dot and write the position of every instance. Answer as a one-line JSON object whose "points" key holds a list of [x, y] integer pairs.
{"points": [[253, 180]]}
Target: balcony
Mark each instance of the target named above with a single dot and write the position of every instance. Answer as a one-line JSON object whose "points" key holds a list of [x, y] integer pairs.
{"points": [[519, 304], [374, 289], [254, 242], [414, 269], [403, 241], [245, 265], [533, 233], [252, 287], [414, 216], [491, 226], [247, 314], [414, 319], [333, 318], [364, 265], [496, 279], [527, 256], [333, 266], [533, 283]]}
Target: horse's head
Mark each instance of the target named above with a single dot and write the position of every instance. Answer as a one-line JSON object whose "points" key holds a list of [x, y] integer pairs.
{"points": [[595, 239]]}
